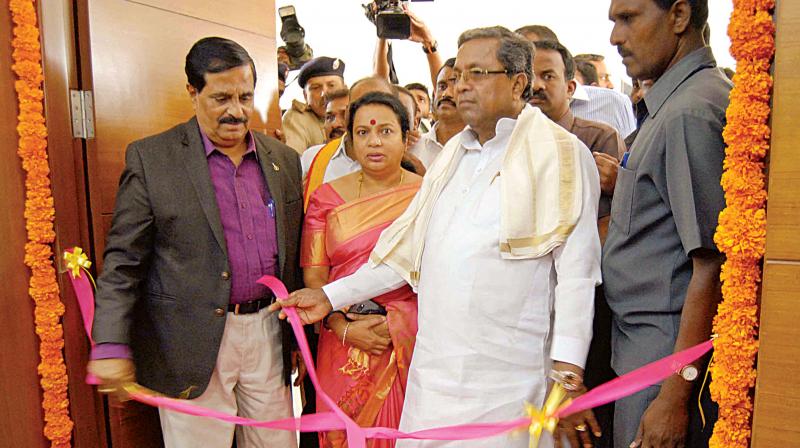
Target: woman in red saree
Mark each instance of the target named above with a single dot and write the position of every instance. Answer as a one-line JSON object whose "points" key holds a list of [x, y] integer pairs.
{"points": [[363, 359]]}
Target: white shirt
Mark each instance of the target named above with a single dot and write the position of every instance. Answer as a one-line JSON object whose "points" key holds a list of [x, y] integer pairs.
{"points": [[606, 106], [340, 165], [427, 148], [488, 327], [424, 125]]}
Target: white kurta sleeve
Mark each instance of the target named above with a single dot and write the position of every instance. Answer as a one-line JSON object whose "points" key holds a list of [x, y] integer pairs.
{"points": [[577, 264], [367, 282]]}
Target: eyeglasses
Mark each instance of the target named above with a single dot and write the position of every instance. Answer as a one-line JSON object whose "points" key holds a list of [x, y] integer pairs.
{"points": [[475, 74]]}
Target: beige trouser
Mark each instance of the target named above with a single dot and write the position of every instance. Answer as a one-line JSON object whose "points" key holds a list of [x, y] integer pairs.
{"points": [[248, 380]]}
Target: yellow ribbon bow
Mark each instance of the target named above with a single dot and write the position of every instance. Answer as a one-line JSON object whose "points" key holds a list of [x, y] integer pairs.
{"points": [[544, 419], [76, 260]]}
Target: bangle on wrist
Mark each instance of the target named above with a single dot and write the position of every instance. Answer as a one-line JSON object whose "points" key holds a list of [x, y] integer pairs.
{"points": [[344, 335]]}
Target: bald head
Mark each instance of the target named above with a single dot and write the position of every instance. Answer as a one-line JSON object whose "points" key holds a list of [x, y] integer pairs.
{"points": [[368, 85]]}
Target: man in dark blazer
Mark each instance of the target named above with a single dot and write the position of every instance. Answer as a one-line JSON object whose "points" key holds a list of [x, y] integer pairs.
{"points": [[203, 210]]}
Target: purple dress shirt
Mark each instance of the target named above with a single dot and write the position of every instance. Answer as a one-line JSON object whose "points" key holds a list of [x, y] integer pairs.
{"points": [[247, 213]]}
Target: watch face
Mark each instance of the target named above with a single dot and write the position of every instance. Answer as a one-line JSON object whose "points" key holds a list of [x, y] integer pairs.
{"points": [[689, 373]]}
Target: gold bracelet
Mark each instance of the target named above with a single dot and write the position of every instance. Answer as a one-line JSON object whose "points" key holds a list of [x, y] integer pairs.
{"points": [[344, 335]]}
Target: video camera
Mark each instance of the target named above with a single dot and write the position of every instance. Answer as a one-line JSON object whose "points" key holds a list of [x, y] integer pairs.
{"points": [[294, 36], [389, 18]]}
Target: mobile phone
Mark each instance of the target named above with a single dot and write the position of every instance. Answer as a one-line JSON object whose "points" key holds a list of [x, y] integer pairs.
{"points": [[367, 307]]}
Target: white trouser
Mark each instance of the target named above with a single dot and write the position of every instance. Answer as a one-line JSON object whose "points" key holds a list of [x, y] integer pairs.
{"points": [[248, 380]]}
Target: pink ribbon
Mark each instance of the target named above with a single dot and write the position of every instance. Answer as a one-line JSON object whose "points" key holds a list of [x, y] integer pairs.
{"points": [[635, 381], [338, 420], [85, 295], [355, 434]]}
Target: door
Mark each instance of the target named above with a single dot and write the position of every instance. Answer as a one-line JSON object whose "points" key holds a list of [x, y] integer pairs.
{"points": [[132, 58]]}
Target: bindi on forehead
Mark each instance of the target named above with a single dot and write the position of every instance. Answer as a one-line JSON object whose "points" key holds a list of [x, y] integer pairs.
{"points": [[373, 122]]}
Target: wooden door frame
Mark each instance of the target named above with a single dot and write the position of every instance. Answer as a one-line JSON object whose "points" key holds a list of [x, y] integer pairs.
{"points": [[777, 393], [67, 158]]}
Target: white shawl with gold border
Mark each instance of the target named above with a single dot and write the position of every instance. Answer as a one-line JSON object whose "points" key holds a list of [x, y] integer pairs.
{"points": [[540, 193]]}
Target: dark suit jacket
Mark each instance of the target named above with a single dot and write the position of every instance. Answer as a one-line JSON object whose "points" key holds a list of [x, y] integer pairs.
{"points": [[165, 271]]}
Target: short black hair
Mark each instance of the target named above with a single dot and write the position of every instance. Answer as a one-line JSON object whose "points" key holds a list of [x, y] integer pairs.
{"points": [[588, 72], [514, 52], [215, 55], [542, 31], [337, 94], [405, 91], [392, 102], [450, 63], [373, 78], [566, 56], [590, 57], [418, 86], [699, 11]]}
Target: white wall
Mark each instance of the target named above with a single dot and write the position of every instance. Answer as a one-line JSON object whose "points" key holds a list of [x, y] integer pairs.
{"points": [[338, 28]]}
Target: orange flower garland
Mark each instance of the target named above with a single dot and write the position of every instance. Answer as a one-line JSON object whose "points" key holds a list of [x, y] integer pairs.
{"points": [[39, 214], [741, 233]]}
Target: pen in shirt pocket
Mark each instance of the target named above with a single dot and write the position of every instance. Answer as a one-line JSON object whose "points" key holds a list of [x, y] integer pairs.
{"points": [[625, 158], [271, 208]]}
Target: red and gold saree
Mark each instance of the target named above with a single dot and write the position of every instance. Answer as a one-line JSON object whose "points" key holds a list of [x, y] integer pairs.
{"points": [[341, 235]]}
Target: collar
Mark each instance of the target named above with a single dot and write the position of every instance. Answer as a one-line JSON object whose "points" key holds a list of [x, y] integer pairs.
{"points": [[209, 147], [581, 94], [431, 134], [341, 150], [567, 120], [301, 106], [502, 131], [672, 79]]}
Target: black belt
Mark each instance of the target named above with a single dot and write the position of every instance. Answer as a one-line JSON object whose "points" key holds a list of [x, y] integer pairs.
{"points": [[250, 307]]}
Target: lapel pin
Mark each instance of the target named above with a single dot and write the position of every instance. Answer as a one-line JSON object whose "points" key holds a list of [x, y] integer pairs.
{"points": [[275, 167]]}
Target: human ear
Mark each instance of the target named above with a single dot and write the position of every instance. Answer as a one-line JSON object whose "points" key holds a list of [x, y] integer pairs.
{"points": [[681, 15]]}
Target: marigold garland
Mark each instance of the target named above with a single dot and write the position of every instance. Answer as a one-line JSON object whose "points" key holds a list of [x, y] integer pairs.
{"points": [[39, 215], [741, 234]]}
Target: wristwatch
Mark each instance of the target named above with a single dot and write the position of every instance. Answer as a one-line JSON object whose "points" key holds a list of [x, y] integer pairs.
{"points": [[432, 49], [325, 320], [570, 381], [689, 373]]}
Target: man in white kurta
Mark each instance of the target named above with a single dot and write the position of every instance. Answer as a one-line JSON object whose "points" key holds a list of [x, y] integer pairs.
{"points": [[485, 340], [490, 327]]}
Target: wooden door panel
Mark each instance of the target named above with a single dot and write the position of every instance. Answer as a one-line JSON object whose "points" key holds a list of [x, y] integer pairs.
{"points": [[784, 164], [777, 396], [255, 17], [134, 54], [142, 90]]}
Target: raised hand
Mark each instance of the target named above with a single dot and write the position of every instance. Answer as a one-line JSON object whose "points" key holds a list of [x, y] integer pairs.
{"points": [[419, 30]]}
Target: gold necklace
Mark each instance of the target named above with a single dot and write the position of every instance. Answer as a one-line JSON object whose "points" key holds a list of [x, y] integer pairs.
{"points": [[361, 181]]}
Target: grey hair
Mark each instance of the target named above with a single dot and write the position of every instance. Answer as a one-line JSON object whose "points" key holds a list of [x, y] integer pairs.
{"points": [[515, 52]]}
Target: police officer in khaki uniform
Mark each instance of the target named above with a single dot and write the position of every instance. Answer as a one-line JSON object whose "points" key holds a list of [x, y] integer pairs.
{"points": [[303, 123]]}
